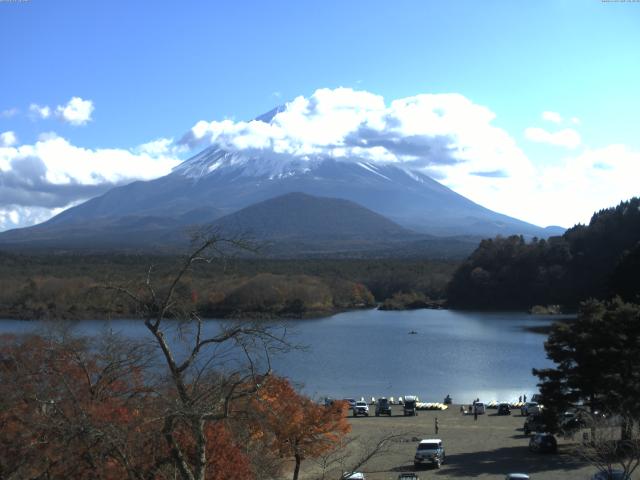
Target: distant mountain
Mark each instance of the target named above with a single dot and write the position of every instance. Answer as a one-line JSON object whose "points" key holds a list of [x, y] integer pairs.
{"points": [[304, 217], [217, 183], [291, 225]]}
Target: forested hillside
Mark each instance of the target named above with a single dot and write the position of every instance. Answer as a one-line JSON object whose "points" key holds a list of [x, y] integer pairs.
{"points": [[599, 260], [72, 286]]}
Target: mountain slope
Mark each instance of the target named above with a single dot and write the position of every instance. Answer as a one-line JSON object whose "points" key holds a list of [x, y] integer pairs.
{"points": [[298, 215], [226, 182], [216, 183]]}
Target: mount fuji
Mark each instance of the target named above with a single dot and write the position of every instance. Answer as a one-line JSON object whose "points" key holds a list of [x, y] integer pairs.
{"points": [[217, 183]]}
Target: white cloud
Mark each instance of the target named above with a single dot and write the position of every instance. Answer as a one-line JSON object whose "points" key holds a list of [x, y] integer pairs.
{"points": [[575, 120], [15, 216], [568, 137], [38, 111], [69, 164], [8, 139], [39, 180], [579, 185], [447, 134], [161, 146], [76, 112], [554, 117]]}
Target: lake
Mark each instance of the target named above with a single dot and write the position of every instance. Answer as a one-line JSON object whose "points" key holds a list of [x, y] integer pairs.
{"points": [[371, 353]]}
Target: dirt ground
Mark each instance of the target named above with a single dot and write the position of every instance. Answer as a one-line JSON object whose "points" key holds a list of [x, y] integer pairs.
{"points": [[488, 448]]}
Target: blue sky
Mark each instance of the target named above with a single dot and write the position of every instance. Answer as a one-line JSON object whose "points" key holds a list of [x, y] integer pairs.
{"points": [[146, 71]]}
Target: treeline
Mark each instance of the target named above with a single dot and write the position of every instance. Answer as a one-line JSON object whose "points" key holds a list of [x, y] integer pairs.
{"points": [[73, 286], [599, 260]]}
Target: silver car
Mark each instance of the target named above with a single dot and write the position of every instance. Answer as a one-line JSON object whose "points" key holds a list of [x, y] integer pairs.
{"points": [[429, 451]]}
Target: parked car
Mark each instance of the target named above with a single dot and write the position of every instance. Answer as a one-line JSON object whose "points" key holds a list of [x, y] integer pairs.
{"points": [[571, 422], [517, 476], [410, 405], [504, 409], [408, 476], [429, 451], [354, 476], [611, 475], [543, 443], [383, 407], [361, 408], [480, 408], [529, 408], [534, 423]]}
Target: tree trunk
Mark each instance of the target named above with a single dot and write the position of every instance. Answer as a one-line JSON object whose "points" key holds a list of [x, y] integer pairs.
{"points": [[627, 429], [296, 471]]}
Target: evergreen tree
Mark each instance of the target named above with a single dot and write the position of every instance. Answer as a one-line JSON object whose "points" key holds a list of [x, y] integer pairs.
{"points": [[597, 361]]}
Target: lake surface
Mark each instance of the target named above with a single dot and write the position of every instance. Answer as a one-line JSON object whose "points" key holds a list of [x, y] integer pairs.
{"points": [[371, 353]]}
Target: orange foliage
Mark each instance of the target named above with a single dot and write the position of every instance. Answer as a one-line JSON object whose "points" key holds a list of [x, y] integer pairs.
{"points": [[299, 427], [68, 412]]}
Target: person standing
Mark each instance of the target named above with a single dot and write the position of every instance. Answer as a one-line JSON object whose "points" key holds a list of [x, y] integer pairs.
{"points": [[520, 399], [524, 398], [475, 413], [436, 426]]}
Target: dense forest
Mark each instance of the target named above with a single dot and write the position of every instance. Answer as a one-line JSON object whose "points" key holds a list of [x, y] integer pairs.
{"points": [[599, 260], [69, 286]]}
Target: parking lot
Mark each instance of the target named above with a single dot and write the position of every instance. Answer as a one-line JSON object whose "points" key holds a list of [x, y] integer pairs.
{"points": [[488, 448]]}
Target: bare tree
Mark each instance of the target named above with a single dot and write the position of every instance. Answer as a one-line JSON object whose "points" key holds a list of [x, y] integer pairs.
{"points": [[608, 448], [208, 371], [354, 453]]}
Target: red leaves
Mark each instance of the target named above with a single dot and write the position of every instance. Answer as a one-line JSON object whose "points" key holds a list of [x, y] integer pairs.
{"points": [[71, 410], [297, 424]]}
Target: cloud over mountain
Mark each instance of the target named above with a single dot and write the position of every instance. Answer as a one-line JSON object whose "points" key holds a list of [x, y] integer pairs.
{"points": [[54, 174], [446, 135]]}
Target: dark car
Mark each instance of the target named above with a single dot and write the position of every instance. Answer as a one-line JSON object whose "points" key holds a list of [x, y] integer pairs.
{"points": [[611, 475], [350, 401], [572, 424], [534, 423], [543, 443], [383, 407], [408, 476], [504, 409]]}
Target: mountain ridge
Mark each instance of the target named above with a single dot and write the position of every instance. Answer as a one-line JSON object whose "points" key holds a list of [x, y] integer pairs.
{"points": [[216, 183]]}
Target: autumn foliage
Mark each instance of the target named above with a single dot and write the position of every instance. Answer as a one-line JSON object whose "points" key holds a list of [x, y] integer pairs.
{"points": [[70, 408], [299, 428]]}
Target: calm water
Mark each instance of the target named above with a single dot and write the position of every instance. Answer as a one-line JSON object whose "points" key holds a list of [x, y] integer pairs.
{"points": [[371, 353]]}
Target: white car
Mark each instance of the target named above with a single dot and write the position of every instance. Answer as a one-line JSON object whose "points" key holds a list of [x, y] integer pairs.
{"points": [[354, 476], [517, 476], [361, 408], [530, 408], [429, 451]]}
